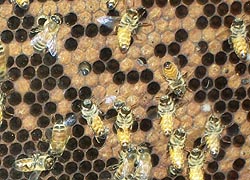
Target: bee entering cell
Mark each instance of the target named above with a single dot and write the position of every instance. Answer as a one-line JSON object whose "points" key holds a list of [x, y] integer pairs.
{"points": [[84, 68]]}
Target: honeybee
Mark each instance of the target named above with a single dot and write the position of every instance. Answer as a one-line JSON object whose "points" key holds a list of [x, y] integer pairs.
{"points": [[195, 164], [143, 164], [175, 79], [91, 113], [166, 110], [2, 106], [126, 165], [245, 81], [24, 4], [211, 138], [124, 137], [127, 28], [111, 4], [46, 37], [238, 38], [3, 61], [176, 151], [37, 163]]}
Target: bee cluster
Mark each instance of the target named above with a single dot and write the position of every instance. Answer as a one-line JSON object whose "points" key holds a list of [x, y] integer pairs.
{"points": [[169, 78]]}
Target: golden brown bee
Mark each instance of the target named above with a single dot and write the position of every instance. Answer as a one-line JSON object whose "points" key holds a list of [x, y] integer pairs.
{"points": [[124, 137], [3, 61], [46, 37], [126, 165], [176, 151], [60, 136], [166, 110], [238, 38], [143, 164], [24, 4], [195, 164], [91, 113], [213, 129], [37, 163], [175, 79]]}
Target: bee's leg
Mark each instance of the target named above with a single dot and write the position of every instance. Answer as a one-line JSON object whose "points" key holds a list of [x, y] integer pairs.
{"points": [[115, 30], [230, 41]]}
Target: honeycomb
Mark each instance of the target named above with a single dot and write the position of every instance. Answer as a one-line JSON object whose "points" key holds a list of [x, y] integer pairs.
{"points": [[193, 34]]}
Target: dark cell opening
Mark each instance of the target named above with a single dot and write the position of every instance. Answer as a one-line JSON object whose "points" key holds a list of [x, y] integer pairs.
{"points": [[15, 123], [57, 70], [119, 78], [240, 68], [105, 54], [147, 3], [207, 83], [4, 173], [226, 118], [239, 164], [105, 30], [182, 60], [220, 106], [215, 22], [92, 154], [247, 7], [232, 175], [194, 84], [173, 49], [76, 106], [3, 150], [225, 142], [220, 58], [98, 67], [42, 96], [35, 59], [10, 62], [57, 169], [153, 87], [19, 11], [200, 96], [200, 72], [91, 176], [85, 142], [236, 8], [233, 130], [207, 59], [78, 176], [36, 134], [233, 105], [111, 161], [212, 167], [105, 175], [248, 116], [77, 131], [49, 83], [215, 1], [28, 21], [160, 50], [85, 167], [70, 44], [8, 161], [29, 72], [14, 98], [21, 35], [220, 82], [70, 94], [202, 46], [7, 86], [71, 167], [246, 105], [188, 2], [181, 35], [220, 156], [161, 3], [226, 94], [132, 77], [222, 9], [42, 71], [113, 13], [112, 66], [233, 58], [98, 165], [155, 159], [77, 31], [146, 125], [85, 92], [219, 175], [14, 73], [226, 46], [7, 36], [201, 22], [64, 82], [239, 140], [65, 157], [49, 60], [29, 147], [110, 113], [181, 11], [36, 84], [228, 21], [72, 144], [13, 22], [240, 93], [70, 19], [36, 109], [78, 155], [22, 135], [98, 143], [64, 177], [213, 95], [50, 108], [175, 2], [91, 30], [180, 177], [14, 174], [209, 10], [152, 112], [146, 75]]}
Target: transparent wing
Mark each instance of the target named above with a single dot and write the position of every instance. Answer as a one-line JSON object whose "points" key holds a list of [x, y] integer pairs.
{"points": [[36, 30], [35, 175], [51, 44], [108, 21], [70, 120]]}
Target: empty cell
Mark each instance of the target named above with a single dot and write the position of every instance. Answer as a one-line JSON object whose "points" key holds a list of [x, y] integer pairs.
{"points": [[105, 175], [15, 123], [70, 19], [220, 106], [29, 147], [225, 142], [70, 44], [239, 164], [98, 144], [76, 106], [35, 59], [209, 10], [236, 8], [233, 130], [232, 175], [43, 121], [43, 146], [49, 83], [246, 104], [3, 150], [202, 46], [112, 66], [13, 22], [180, 177], [85, 142], [146, 125], [78, 176], [7, 36], [70, 94], [19, 11], [85, 92], [7, 86], [228, 20], [146, 75], [220, 156], [181, 35], [28, 21], [22, 135], [85, 167], [226, 118], [71, 144], [239, 140], [160, 50], [8, 161], [213, 95], [92, 154], [14, 73], [226, 94], [240, 93], [3, 173], [233, 105], [220, 58], [49, 60], [247, 7], [219, 175], [56, 71], [105, 54], [29, 72], [14, 98], [105, 30], [14, 174], [77, 31], [226, 46], [233, 58], [77, 131], [15, 148], [212, 167], [42, 71], [113, 13], [98, 67], [71, 167], [161, 3], [153, 88], [182, 60], [147, 3], [173, 48], [78, 155], [64, 177], [240, 68], [201, 22], [154, 159], [64, 82], [200, 96], [57, 169], [220, 82], [65, 156], [200, 72], [222, 9], [91, 30], [21, 35], [215, 22], [50, 108], [119, 78], [152, 112], [207, 59], [175, 2], [133, 77], [10, 62], [42, 96], [98, 165]]}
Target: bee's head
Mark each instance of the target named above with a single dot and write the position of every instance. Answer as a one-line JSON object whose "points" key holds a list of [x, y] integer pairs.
{"points": [[87, 103], [125, 110], [238, 22], [49, 162], [180, 133], [213, 119], [196, 152], [164, 99], [132, 13], [25, 4], [55, 18]]}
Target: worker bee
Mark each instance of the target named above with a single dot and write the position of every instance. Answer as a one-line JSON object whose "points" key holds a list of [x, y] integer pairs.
{"points": [[2, 106], [143, 164], [3, 59], [111, 4], [124, 137], [175, 79], [176, 151], [238, 38], [126, 164], [127, 28], [24, 4], [46, 35], [211, 138], [195, 164], [91, 113], [60, 135], [166, 110], [37, 163]]}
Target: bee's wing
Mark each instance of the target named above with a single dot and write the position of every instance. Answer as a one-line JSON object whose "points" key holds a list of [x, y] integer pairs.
{"points": [[36, 30], [70, 121], [51, 44], [35, 175], [108, 21]]}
